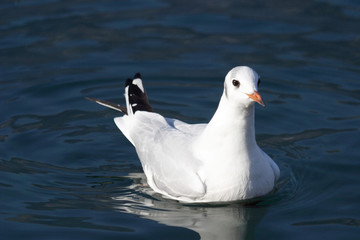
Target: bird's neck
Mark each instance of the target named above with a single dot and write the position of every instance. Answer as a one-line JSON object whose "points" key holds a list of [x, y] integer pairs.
{"points": [[232, 128]]}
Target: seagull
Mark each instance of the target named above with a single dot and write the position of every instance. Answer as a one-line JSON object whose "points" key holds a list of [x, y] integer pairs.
{"points": [[200, 163]]}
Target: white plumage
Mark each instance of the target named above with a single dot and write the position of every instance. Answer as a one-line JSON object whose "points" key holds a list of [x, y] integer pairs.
{"points": [[215, 162]]}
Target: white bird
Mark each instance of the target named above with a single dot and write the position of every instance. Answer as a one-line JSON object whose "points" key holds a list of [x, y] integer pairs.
{"points": [[215, 162]]}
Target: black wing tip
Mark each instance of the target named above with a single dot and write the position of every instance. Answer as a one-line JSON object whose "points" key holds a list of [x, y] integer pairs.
{"points": [[128, 82], [136, 95], [108, 104], [91, 99], [137, 75]]}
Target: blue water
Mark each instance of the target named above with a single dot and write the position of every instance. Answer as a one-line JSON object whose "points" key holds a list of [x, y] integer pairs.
{"points": [[66, 171]]}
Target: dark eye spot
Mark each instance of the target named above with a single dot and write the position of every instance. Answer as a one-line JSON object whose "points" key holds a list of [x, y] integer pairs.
{"points": [[259, 82], [236, 83]]}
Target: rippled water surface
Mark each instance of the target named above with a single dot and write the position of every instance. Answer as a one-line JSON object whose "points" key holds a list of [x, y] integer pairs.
{"points": [[66, 171]]}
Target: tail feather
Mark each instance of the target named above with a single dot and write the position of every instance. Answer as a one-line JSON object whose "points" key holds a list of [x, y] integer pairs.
{"points": [[135, 96]]}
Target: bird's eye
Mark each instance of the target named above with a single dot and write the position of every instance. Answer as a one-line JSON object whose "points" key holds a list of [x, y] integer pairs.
{"points": [[259, 82], [236, 83]]}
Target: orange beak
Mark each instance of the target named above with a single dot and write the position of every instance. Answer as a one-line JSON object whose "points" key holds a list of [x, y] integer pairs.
{"points": [[257, 98]]}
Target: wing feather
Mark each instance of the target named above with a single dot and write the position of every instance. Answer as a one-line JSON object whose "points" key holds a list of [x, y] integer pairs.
{"points": [[162, 151]]}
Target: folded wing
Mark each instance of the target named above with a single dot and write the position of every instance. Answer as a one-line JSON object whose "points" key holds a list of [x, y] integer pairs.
{"points": [[163, 148]]}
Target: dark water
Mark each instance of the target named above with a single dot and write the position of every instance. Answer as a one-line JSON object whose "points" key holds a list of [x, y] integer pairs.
{"points": [[66, 172]]}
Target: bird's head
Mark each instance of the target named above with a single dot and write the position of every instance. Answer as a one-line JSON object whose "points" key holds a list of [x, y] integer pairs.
{"points": [[241, 86]]}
